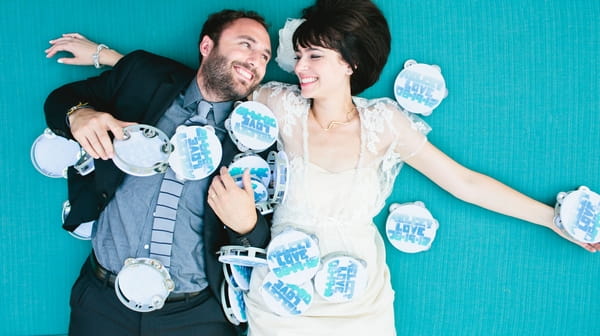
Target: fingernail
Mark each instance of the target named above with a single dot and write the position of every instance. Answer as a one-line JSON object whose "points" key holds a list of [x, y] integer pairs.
{"points": [[59, 60]]}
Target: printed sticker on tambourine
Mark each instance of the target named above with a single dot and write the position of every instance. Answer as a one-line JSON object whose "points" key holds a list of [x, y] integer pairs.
{"points": [[410, 227], [237, 276], [293, 256], [420, 88], [279, 163], [578, 214], [243, 255], [341, 278], [196, 153], [84, 230], [286, 299], [143, 284], [143, 151], [51, 155], [234, 306], [252, 127], [257, 166]]}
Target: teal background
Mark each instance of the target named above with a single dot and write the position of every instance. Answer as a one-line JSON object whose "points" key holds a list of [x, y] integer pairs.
{"points": [[523, 106]]}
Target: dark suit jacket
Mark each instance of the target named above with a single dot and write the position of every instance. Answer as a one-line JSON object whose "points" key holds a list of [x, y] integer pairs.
{"points": [[139, 88]]}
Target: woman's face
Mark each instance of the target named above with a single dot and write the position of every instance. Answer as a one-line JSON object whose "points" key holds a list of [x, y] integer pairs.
{"points": [[321, 72]]}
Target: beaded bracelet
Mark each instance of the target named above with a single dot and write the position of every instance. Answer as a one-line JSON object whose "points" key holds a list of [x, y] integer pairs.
{"points": [[96, 55]]}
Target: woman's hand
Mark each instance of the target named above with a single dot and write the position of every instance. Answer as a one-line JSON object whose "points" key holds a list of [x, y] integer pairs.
{"points": [[82, 50]]}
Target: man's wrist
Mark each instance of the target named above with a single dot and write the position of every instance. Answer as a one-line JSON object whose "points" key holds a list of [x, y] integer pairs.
{"points": [[75, 108]]}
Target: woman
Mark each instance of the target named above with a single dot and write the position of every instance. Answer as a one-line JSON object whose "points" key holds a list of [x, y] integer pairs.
{"points": [[345, 153]]}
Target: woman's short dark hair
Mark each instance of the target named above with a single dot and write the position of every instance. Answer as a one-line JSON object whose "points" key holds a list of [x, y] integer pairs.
{"points": [[219, 21], [356, 29]]}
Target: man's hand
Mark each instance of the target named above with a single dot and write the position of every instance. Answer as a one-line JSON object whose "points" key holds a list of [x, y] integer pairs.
{"points": [[232, 204], [90, 128]]}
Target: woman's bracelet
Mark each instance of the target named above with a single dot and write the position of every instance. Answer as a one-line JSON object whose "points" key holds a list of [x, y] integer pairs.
{"points": [[96, 55]]}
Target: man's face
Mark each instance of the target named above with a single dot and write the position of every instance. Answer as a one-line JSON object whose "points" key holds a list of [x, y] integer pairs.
{"points": [[232, 69]]}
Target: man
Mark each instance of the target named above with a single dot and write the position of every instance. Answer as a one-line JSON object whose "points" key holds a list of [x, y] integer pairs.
{"points": [[144, 88]]}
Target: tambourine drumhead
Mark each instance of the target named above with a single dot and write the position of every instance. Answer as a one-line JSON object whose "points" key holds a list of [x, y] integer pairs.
{"points": [[341, 278], [410, 227], [286, 299], [580, 215], [143, 284], [261, 194], [234, 306], [420, 88], [144, 151], [279, 163], [252, 126], [259, 168], [243, 256], [51, 154], [293, 256], [237, 276], [196, 153]]}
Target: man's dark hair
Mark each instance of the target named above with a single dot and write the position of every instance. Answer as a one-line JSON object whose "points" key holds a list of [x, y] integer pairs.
{"points": [[219, 21]]}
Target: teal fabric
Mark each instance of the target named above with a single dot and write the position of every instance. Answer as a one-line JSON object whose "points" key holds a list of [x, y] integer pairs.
{"points": [[523, 106]]}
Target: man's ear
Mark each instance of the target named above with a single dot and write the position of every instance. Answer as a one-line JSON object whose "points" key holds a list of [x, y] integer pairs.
{"points": [[206, 45]]}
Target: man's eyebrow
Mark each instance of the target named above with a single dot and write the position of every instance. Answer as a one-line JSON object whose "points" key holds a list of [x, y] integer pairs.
{"points": [[253, 40]]}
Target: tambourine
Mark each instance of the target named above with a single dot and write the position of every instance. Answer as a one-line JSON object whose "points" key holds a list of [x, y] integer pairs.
{"points": [[194, 152], [51, 155], [420, 88], [341, 278], [243, 255], [143, 151], [279, 163], [252, 127], [577, 214], [261, 194], [286, 299], [410, 227], [84, 230], [237, 276], [259, 168], [293, 256], [234, 306], [143, 284]]}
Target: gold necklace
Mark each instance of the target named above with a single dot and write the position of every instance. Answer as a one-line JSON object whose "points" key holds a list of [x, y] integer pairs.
{"points": [[332, 124]]}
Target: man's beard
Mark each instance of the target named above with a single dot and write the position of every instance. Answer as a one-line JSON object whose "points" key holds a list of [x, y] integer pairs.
{"points": [[218, 79]]}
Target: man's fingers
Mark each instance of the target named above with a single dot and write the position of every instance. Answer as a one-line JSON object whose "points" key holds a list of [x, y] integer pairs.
{"points": [[247, 182]]}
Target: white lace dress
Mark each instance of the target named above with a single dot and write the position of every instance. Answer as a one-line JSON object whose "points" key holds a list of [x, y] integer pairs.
{"points": [[338, 207]]}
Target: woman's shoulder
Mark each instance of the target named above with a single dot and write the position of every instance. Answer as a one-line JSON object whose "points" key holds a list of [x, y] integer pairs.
{"points": [[385, 113], [273, 93]]}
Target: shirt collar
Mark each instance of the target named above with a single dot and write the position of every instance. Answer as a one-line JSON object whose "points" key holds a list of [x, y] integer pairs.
{"points": [[193, 96]]}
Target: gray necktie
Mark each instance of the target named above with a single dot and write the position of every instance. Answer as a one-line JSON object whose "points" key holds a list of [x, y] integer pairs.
{"points": [[165, 212]]}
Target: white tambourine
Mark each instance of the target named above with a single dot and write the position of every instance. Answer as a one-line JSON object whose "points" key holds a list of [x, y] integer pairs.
{"points": [[286, 299], [257, 166], [252, 127], [143, 284], [420, 88], [294, 256], [279, 163], [578, 214], [410, 227], [197, 152], [84, 231], [237, 276], [234, 306], [341, 278], [51, 155], [243, 255], [143, 151]]}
